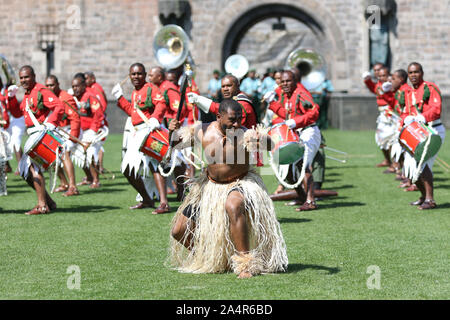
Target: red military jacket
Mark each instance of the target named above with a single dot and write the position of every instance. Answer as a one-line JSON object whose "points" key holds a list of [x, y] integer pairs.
{"points": [[248, 113], [300, 107], [149, 100], [382, 99], [425, 100], [97, 87], [172, 99], [91, 113], [41, 101], [71, 116], [4, 115]]}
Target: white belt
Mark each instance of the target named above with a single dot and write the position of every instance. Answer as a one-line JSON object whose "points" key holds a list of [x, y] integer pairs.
{"points": [[140, 126]]}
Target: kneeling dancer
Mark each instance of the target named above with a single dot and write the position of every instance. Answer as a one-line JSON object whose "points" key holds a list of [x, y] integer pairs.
{"points": [[227, 220]]}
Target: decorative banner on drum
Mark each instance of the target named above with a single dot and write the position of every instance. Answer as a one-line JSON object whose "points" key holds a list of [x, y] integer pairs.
{"points": [[413, 138]]}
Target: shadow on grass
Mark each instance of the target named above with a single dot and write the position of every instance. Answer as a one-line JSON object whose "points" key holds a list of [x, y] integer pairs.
{"points": [[341, 204], [77, 209], [298, 267], [345, 186], [442, 186], [442, 206], [102, 189], [293, 220]]}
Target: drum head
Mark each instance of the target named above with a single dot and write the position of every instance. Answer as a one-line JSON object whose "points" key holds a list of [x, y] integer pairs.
{"points": [[289, 153], [33, 140], [432, 150]]}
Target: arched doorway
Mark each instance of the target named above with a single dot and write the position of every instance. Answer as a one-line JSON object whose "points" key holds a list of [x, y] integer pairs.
{"points": [[268, 33]]}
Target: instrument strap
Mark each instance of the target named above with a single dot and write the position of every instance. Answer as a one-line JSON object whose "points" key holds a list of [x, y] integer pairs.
{"points": [[32, 117]]}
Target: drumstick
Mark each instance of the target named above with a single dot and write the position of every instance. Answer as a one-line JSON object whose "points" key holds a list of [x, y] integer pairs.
{"points": [[443, 162], [85, 146], [124, 80], [442, 165]]}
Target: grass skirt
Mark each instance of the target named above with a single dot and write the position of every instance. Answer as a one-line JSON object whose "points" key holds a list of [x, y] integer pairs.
{"points": [[212, 249]]}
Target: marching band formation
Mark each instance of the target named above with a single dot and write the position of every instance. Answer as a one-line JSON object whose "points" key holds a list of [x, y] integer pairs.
{"points": [[227, 219]]}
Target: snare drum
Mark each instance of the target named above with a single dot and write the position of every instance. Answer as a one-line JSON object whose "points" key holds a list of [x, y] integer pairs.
{"points": [[43, 148], [156, 144], [288, 148], [413, 138]]}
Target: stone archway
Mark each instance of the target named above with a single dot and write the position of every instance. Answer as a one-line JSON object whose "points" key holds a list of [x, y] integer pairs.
{"points": [[251, 17], [236, 18]]}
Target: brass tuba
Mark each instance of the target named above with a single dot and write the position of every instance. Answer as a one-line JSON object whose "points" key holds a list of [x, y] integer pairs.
{"points": [[171, 46], [311, 64], [6, 72], [237, 65]]}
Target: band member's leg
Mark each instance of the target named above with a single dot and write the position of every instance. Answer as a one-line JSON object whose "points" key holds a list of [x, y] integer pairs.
{"points": [[161, 186], [138, 185], [300, 191], [69, 168], [64, 184], [100, 161], [95, 177], [179, 180]]}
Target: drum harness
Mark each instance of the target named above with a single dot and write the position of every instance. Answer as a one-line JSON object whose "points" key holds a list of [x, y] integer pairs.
{"points": [[303, 171], [40, 127]]}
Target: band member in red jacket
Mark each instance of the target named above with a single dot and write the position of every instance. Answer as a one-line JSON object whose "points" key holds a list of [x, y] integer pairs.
{"points": [[70, 123], [91, 116], [300, 112], [147, 110], [423, 103], [95, 88], [42, 110], [229, 89], [172, 99], [16, 126]]}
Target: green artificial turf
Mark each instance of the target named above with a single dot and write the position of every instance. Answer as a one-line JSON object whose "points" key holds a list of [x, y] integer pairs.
{"points": [[122, 254]]}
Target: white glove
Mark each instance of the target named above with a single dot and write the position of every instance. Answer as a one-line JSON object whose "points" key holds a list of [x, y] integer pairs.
{"points": [[366, 75], [12, 90], [386, 86], [117, 91], [202, 102], [408, 120], [291, 123], [69, 145], [70, 91], [153, 124], [420, 118], [270, 96], [49, 126], [89, 135]]}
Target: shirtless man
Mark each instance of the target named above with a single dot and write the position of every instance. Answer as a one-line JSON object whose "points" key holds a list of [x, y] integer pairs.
{"points": [[228, 204]]}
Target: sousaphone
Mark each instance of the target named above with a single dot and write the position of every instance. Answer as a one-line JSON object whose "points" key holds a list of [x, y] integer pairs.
{"points": [[6, 72], [237, 65], [171, 46], [311, 64]]}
